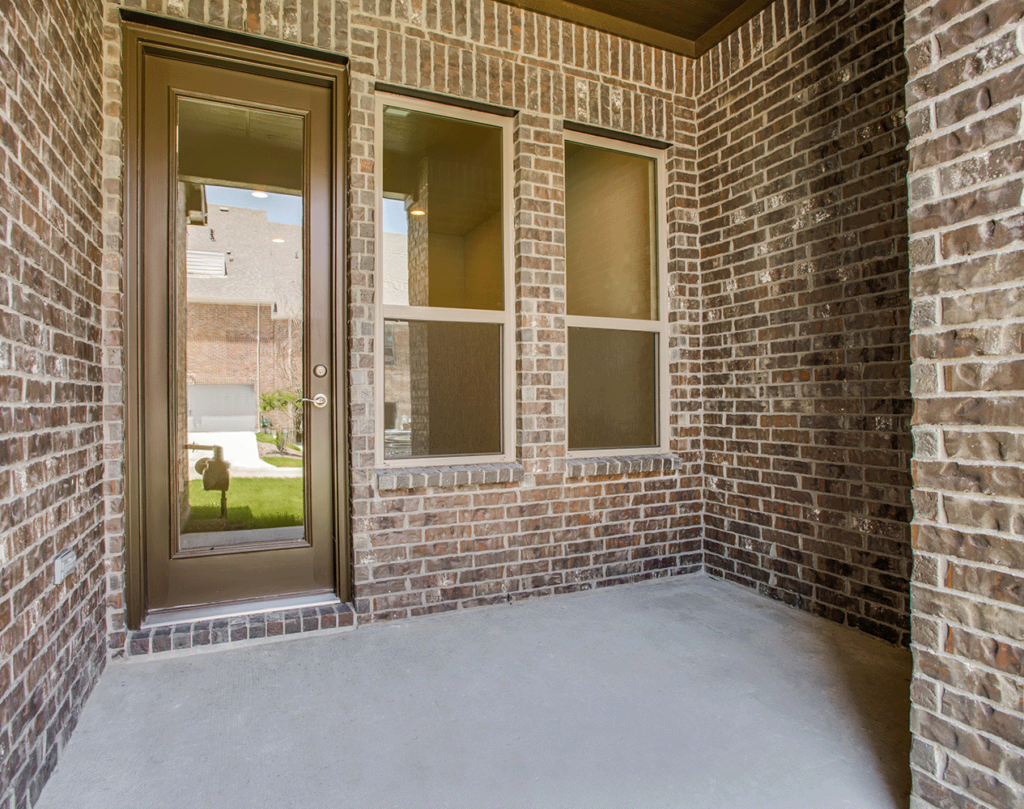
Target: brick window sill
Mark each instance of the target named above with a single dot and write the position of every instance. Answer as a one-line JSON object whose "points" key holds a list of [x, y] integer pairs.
{"points": [[620, 465], [423, 477]]}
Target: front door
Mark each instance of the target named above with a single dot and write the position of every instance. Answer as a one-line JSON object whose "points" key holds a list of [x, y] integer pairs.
{"points": [[237, 366]]}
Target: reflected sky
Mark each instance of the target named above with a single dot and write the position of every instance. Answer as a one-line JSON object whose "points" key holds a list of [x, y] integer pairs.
{"points": [[285, 209]]}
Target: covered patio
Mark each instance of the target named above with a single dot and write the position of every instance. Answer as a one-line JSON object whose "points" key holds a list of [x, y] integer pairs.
{"points": [[682, 692]]}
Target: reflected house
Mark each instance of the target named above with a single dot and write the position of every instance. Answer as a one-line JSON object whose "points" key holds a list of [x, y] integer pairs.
{"points": [[244, 306], [240, 178], [243, 332]]}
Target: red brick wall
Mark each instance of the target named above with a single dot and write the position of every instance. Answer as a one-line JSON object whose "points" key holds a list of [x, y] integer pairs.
{"points": [[964, 114], [226, 346], [804, 283], [52, 635]]}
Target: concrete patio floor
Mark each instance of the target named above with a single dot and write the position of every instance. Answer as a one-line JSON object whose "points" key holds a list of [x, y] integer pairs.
{"points": [[679, 693]]}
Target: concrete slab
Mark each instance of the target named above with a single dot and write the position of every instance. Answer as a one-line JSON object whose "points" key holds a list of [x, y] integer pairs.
{"points": [[678, 693]]}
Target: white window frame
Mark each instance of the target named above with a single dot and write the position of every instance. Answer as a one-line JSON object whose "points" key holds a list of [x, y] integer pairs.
{"points": [[505, 317], [660, 327]]}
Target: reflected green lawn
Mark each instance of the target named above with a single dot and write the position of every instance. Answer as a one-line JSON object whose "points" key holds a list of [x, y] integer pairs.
{"points": [[252, 503], [281, 462]]}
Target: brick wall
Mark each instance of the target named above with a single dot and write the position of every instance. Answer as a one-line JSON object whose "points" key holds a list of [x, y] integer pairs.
{"points": [[52, 635], [422, 550], [789, 350], [425, 550], [226, 346], [804, 283], [964, 113]]}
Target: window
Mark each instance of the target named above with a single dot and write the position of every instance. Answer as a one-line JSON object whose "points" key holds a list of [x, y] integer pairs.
{"points": [[444, 339], [615, 297]]}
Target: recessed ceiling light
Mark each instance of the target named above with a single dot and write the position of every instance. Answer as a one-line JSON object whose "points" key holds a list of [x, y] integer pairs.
{"points": [[260, 194], [417, 211], [277, 241]]}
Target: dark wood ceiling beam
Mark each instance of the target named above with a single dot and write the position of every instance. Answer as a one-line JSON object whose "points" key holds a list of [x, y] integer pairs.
{"points": [[646, 34], [728, 24], [610, 25]]}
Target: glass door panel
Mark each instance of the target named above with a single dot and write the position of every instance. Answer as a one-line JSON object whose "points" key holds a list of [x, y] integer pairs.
{"points": [[239, 327]]}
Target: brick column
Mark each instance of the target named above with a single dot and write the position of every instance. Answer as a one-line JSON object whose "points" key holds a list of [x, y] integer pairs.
{"points": [[539, 193], [113, 329], [362, 305], [964, 113], [685, 308]]}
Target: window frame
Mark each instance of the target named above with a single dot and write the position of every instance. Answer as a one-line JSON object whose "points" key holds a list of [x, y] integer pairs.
{"points": [[504, 317], [659, 327]]}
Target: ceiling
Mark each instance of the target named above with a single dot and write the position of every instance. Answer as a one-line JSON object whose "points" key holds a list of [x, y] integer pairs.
{"points": [[233, 145], [689, 27], [462, 164]]}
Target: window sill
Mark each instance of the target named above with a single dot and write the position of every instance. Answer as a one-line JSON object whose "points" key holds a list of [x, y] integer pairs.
{"points": [[620, 465], [423, 477]]}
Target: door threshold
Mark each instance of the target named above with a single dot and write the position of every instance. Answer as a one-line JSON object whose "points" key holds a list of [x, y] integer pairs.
{"points": [[215, 611]]}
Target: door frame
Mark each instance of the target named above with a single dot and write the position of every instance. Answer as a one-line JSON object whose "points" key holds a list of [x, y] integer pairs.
{"points": [[145, 35]]}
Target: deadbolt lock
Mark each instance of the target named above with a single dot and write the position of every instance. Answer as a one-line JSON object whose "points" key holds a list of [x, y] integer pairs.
{"points": [[319, 371], [320, 400]]}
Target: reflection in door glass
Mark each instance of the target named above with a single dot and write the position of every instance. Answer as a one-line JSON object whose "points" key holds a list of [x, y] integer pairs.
{"points": [[239, 312]]}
